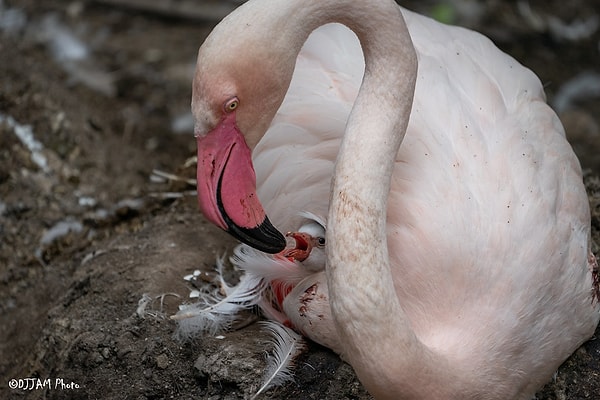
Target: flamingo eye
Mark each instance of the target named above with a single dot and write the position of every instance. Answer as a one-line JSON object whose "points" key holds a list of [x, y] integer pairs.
{"points": [[231, 104]]}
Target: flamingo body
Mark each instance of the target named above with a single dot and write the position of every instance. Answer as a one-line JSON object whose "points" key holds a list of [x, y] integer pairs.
{"points": [[487, 221], [473, 175]]}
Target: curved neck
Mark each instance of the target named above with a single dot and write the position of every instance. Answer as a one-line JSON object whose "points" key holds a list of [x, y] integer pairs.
{"points": [[378, 339]]}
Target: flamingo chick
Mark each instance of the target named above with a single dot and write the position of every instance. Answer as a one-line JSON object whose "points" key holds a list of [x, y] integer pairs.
{"points": [[308, 246]]}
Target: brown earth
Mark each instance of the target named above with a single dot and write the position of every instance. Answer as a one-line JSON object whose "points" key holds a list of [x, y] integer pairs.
{"points": [[68, 303]]}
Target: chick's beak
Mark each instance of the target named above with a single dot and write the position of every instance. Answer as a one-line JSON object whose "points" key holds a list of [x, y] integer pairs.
{"points": [[302, 247]]}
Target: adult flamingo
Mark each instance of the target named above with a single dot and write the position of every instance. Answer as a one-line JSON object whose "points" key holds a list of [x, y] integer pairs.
{"points": [[458, 264]]}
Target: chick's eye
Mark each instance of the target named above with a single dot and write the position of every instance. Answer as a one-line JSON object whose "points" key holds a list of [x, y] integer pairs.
{"points": [[231, 104], [321, 241]]}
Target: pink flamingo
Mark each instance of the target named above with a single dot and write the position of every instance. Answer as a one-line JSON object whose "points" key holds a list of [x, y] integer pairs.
{"points": [[458, 261]]}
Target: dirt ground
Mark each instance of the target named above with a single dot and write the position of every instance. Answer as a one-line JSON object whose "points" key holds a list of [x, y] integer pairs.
{"points": [[83, 235]]}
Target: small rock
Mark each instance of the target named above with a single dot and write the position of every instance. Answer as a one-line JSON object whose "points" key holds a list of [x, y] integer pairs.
{"points": [[162, 361], [105, 353]]}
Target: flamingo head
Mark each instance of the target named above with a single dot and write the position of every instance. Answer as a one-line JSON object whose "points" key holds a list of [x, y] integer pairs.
{"points": [[237, 89]]}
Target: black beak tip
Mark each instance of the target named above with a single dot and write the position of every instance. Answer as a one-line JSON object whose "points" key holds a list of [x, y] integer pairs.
{"points": [[265, 237]]}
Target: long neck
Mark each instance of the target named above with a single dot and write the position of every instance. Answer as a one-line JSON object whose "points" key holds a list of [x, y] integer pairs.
{"points": [[378, 339], [380, 343]]}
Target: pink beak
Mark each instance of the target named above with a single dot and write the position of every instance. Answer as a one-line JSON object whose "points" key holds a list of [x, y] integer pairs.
{"points": [[227, 188]]}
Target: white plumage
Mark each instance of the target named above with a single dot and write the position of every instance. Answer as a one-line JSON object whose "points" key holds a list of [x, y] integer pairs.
{"points": [[487, 223]]}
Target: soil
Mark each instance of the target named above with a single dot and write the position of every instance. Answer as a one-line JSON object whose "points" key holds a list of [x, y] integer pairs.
{"points": [[86, 234]]}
